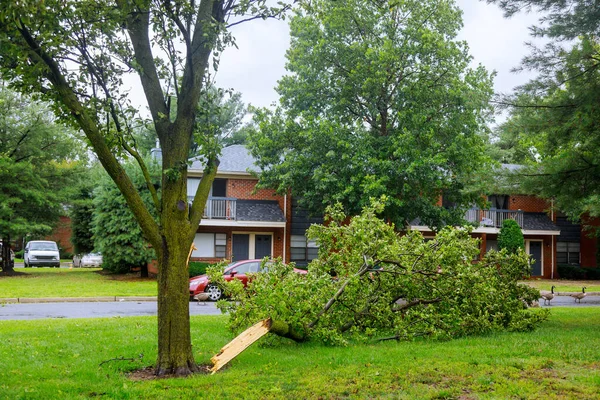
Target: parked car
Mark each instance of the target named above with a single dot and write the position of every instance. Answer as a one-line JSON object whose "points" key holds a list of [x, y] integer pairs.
{"points": [[234, 270], [41, 253], [90, 260], [12, 256]]}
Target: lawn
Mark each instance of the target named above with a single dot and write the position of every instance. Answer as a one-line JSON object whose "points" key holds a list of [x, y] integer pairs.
{"points": [[564, 285], [77, 282], [86, 358]]}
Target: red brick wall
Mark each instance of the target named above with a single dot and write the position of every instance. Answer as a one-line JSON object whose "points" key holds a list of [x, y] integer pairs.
{"points": [[243, 189], [62, 234], [588, 244], [528, 203]]}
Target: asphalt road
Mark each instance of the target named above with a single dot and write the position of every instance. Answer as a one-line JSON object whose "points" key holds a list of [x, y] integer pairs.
{"points": [[148, 308], [93, 310]]}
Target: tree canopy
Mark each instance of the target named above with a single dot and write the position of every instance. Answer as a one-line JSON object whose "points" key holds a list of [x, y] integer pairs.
{"points": [[552, 125], [379, 99], [36, 166]]}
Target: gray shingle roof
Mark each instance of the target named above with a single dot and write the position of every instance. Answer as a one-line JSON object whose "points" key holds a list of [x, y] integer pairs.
{"points": [[234, 158], [538, 222], [259, 210]]}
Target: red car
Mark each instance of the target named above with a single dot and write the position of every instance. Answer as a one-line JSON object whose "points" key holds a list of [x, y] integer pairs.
{"points": [[235, 270]]}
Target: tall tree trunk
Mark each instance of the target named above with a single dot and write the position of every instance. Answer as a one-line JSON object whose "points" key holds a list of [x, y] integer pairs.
{"points": [[174, 339], [7, 266]]}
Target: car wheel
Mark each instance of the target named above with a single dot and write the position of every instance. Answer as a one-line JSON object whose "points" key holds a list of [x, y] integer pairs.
{"points": [[26, 265], [214, 292]]}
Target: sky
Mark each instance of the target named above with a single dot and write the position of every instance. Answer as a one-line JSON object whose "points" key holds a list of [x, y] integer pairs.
{"points": [[259, 61]]}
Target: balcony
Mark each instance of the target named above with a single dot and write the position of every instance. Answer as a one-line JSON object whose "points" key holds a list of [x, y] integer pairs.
{"points": [[493, 218], [219, 208]]}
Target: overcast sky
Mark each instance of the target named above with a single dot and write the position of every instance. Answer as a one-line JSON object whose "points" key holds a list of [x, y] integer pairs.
{"points": [[255, 67]]}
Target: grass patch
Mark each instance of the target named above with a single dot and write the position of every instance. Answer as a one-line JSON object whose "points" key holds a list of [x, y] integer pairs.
{"points": [[563, 285], [63, 359], [62, 282]]}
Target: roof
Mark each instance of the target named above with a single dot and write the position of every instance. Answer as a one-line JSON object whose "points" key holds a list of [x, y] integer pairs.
{"points": [[538, 222], [233, 159], [259, 210]]}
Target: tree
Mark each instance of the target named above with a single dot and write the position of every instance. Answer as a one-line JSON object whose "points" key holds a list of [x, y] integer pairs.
{"points": [[34, 168], [116, 232], [81, 214], [511, 237], [553, 116], [386, 286], [77, 53], [380, 99]]}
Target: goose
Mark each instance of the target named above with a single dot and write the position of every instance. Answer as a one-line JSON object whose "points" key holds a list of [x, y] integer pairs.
{"points": [[548, 296], [579, 296]]}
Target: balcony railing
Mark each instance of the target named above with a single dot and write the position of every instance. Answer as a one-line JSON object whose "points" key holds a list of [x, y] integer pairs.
{"points": [[493, 218], [219, 208]]}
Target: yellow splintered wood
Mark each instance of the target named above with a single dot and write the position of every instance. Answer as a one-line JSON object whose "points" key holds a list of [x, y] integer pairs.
{"points": [[240, 343]]}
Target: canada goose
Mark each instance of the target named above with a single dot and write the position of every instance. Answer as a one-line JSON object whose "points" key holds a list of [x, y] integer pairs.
{"points": [[579, 296], [548, 296], [202, 297]]}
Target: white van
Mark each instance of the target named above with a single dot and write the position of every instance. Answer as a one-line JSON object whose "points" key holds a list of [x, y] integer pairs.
{"points": [[41, 253]]}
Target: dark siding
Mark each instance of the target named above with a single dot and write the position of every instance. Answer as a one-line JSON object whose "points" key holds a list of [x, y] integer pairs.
{"points": [[569, 232], [301, 219]]}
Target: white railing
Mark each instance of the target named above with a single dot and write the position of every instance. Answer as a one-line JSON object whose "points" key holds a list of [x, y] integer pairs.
{"points": [[493, 218], [219, 208]]}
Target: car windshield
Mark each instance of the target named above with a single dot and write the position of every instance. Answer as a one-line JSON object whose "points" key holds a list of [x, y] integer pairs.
{"points": [[43, 246]]}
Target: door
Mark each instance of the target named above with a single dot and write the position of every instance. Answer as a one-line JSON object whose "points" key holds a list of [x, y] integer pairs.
{"points": [[535, 250], [241, 247], [262, 246]]}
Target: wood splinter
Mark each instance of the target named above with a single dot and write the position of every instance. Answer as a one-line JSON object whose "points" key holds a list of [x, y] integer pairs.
{"points": [[240, 343]]}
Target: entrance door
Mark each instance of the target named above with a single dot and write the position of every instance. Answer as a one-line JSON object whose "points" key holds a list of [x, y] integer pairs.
{"points": [[535, 250], [262, 246], [241, 245]]}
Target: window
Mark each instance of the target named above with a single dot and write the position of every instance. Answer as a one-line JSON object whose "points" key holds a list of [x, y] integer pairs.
{"points": [[491, 245], [245, 268], [302, 250], [499, 202], [210, 245], [567, 253], [220, 245]]}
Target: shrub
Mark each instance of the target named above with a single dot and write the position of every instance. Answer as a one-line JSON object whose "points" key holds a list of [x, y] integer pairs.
{"points": [[592, 273], [19, 254], [571, 272], [197, 268], [511, 236]]}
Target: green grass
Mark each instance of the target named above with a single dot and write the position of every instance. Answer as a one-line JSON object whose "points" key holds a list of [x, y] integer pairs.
{"points": [[564, 285], [62, 359], [78, 282]]}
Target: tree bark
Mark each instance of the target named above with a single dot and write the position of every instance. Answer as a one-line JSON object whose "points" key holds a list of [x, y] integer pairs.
{"points": [[7, 267]]}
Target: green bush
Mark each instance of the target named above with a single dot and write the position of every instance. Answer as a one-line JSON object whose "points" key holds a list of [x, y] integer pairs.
{"points": [[592, 273], [19, 254], [65, 255], [571, 272], [197, 268], [511, 237]]}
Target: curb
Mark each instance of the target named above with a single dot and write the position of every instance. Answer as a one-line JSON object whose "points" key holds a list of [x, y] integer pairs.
{"points": [[105, 299]]}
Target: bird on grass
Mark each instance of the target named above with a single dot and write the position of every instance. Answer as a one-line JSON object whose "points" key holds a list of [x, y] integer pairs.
{"points": [[579, 296], [548, 296]]}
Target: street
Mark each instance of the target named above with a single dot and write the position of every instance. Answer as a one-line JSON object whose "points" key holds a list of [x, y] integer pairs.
{"points": [[93, 310], [18, 311]]}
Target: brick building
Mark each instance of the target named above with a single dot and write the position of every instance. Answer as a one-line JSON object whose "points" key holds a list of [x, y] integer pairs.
{"points": [[243, 222], [550, 238]]}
